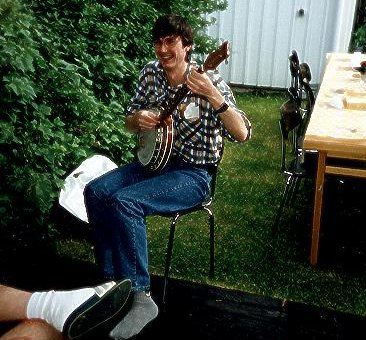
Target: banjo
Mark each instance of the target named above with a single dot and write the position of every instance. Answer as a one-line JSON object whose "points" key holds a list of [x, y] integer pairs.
{"points": [[155, 146]]}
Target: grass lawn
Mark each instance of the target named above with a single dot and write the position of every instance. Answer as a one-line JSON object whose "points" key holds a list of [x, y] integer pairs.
{"points": [[248, 257]]}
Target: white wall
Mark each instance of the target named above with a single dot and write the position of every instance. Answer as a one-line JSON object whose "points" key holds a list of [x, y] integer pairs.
{"points": [[263, 32]]}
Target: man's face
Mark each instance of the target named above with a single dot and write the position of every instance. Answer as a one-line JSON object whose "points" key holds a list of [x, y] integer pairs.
{"points": [[171, 52]]}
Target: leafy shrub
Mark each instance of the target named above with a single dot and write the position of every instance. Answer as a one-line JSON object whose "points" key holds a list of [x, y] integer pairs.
{"points": [[68, 69], [358, 41]]}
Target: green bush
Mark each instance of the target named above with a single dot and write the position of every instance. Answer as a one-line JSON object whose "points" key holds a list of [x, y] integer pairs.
{"points": [[68, 69], [358, 40]]}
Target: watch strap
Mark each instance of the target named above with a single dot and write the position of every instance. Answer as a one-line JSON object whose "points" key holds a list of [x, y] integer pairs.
{"points": [[222, 108]]}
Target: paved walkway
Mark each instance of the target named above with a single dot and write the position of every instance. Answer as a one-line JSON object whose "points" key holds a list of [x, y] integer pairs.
{"points": [[197, 311]]}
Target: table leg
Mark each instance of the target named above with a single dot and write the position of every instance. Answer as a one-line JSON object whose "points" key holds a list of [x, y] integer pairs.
{"points": [[317, 208]]}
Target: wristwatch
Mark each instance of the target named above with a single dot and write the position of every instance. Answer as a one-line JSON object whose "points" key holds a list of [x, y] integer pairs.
{"points": [[222, 108]]}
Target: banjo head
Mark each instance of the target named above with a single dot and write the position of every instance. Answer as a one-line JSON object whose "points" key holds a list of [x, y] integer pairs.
{"points": [[147, 145]]}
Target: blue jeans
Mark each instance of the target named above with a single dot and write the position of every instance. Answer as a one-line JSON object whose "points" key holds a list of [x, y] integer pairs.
{"points": [[117, 204]]}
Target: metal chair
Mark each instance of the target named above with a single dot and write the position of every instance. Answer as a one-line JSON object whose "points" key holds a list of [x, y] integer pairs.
{"points": [[294, 118], [292, 169], [204, 206]]}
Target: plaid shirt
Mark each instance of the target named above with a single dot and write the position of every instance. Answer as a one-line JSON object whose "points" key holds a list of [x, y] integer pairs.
{"points": [[199, 131]]}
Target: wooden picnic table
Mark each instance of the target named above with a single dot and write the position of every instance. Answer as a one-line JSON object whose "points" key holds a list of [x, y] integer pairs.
{"points": [[337, 130]]}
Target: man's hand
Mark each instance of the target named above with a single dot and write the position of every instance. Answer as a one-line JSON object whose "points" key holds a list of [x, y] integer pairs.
{"points": [[201, 84], [145, 120]]}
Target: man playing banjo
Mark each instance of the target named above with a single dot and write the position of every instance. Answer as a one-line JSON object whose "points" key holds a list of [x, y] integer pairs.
{"points": [[119, 201]]}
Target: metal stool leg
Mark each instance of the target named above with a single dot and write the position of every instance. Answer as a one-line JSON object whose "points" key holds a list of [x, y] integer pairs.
{"points": [[295, 188], [284, 199], [169, 253], [212, 240]]}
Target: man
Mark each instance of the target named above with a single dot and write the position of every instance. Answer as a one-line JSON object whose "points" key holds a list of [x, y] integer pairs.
{"points": [[51, 315], [118, 202]]}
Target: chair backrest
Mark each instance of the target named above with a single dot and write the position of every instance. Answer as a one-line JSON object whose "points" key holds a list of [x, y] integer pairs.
{"points": [[304, 73], [294, 65], [307, 98], [290, 112], [296, 112], [305, 78]]}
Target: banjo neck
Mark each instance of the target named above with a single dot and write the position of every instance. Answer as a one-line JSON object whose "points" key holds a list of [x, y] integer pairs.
{"points": [[174, 102]]}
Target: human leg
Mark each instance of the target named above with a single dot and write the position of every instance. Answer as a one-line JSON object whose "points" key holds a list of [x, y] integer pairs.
{"points": [[117, 205], [13, 304], [168, 192], [33, 330], [142, 312], [97, 195], [118, 214]]}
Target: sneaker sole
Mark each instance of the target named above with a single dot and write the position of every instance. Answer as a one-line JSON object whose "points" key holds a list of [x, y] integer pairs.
{"points": [[97, 311]]}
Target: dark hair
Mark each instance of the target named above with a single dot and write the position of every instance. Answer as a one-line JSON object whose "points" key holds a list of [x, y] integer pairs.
{"points": [[172, 24]]}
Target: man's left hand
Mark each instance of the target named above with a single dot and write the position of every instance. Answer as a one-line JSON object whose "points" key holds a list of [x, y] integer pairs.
{"points": [[200, 83]]}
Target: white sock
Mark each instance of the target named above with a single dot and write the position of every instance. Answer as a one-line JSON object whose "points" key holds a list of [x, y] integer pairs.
{"points": [[54, 307], [143, 311]]}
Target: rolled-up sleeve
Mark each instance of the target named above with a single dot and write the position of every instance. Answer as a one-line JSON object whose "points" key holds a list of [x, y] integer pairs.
{"points": [[226, 91], [138, 101]]}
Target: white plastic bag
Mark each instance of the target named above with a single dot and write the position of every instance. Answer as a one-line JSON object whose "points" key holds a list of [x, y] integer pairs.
{"points": [[72, 194]]}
